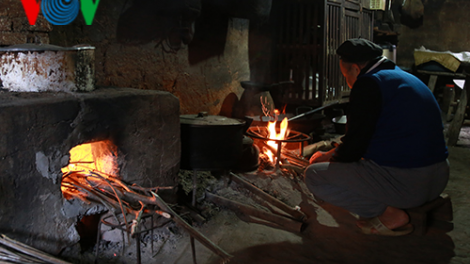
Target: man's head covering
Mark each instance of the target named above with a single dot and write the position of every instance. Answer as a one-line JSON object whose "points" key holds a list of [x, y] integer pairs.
{"points": [[358, 50]]}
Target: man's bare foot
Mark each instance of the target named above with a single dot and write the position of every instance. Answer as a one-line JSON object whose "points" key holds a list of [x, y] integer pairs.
{"points": [[392, 218]]}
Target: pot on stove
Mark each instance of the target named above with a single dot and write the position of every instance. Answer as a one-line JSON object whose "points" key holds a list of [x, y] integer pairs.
{"points": [[210, 142]]}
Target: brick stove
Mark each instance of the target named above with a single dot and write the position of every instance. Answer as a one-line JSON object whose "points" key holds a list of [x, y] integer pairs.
{"points": [[39, 129]]}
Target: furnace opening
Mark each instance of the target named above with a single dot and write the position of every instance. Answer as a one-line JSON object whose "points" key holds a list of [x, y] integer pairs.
{"points": [[97, 157], [98, 160]]}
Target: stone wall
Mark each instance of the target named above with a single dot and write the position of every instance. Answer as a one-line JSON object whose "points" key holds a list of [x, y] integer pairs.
{"points": [[152, 45], [14, 26], [142, 47], [446, 26]]}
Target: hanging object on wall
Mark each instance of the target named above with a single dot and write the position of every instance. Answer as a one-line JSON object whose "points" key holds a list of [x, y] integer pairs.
{"points": [[412, 13], [377, 4]]}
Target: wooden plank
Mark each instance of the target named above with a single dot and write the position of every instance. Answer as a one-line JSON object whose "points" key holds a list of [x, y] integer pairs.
{"points": [[451, 74], [352, 13], [352, 6], [335, 1]]}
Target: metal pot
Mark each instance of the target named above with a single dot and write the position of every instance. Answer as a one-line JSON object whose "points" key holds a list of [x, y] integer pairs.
{"points": [[210, 142], [340, 124], [43, 67]]}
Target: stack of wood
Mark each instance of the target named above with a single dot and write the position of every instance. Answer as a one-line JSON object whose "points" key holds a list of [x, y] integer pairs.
{"points": [[12, 251], [278, 214], [292, 161], [122, 198]]}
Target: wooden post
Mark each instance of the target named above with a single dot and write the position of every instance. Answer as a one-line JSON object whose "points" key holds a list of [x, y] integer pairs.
{"points": [[432, 82], [456, 124], [448, 97]]}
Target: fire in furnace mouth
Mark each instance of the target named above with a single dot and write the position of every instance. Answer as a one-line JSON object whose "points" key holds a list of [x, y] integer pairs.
{"points": [[89, 163]]}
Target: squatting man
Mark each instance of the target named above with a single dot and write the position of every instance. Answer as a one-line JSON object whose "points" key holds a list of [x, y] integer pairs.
{"points": [[393, 155]]}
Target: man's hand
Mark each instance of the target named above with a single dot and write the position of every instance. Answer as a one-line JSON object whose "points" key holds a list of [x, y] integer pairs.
{"points": [[321, 156]]}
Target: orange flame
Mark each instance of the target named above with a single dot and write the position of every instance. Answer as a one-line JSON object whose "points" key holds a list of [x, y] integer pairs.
{"points": [[272, 134], [98, 156]]}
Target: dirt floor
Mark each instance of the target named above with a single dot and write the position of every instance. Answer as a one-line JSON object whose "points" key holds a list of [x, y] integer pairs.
{"points": [[330, 236]]}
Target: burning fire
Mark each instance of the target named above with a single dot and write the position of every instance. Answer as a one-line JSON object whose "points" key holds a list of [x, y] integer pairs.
{"points": [[92, 176], [97, 157], [273, 134]]}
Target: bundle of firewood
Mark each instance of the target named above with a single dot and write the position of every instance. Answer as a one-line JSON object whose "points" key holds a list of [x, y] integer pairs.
{"points": [[12, 251], [122, 198]]}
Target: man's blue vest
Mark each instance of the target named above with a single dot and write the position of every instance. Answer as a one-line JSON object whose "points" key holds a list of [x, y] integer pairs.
{"points": [[409, 132]]}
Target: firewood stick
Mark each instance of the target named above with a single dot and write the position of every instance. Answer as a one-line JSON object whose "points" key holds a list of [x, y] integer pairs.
{"points": [[19, 260], [154, 189], [292, 157], [297, 169], [111, 179], [156, 200], [108, 193], [134, 198], [113, 204], [135, 227], [17, 257], [5, 259], [283, 222], [255, 220], [296, 163], [193, 232], [160, 212], [258, 133], [105, 200], [273, 209], [285, 154], [117, 196], [255, 190], [23, 248]]}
